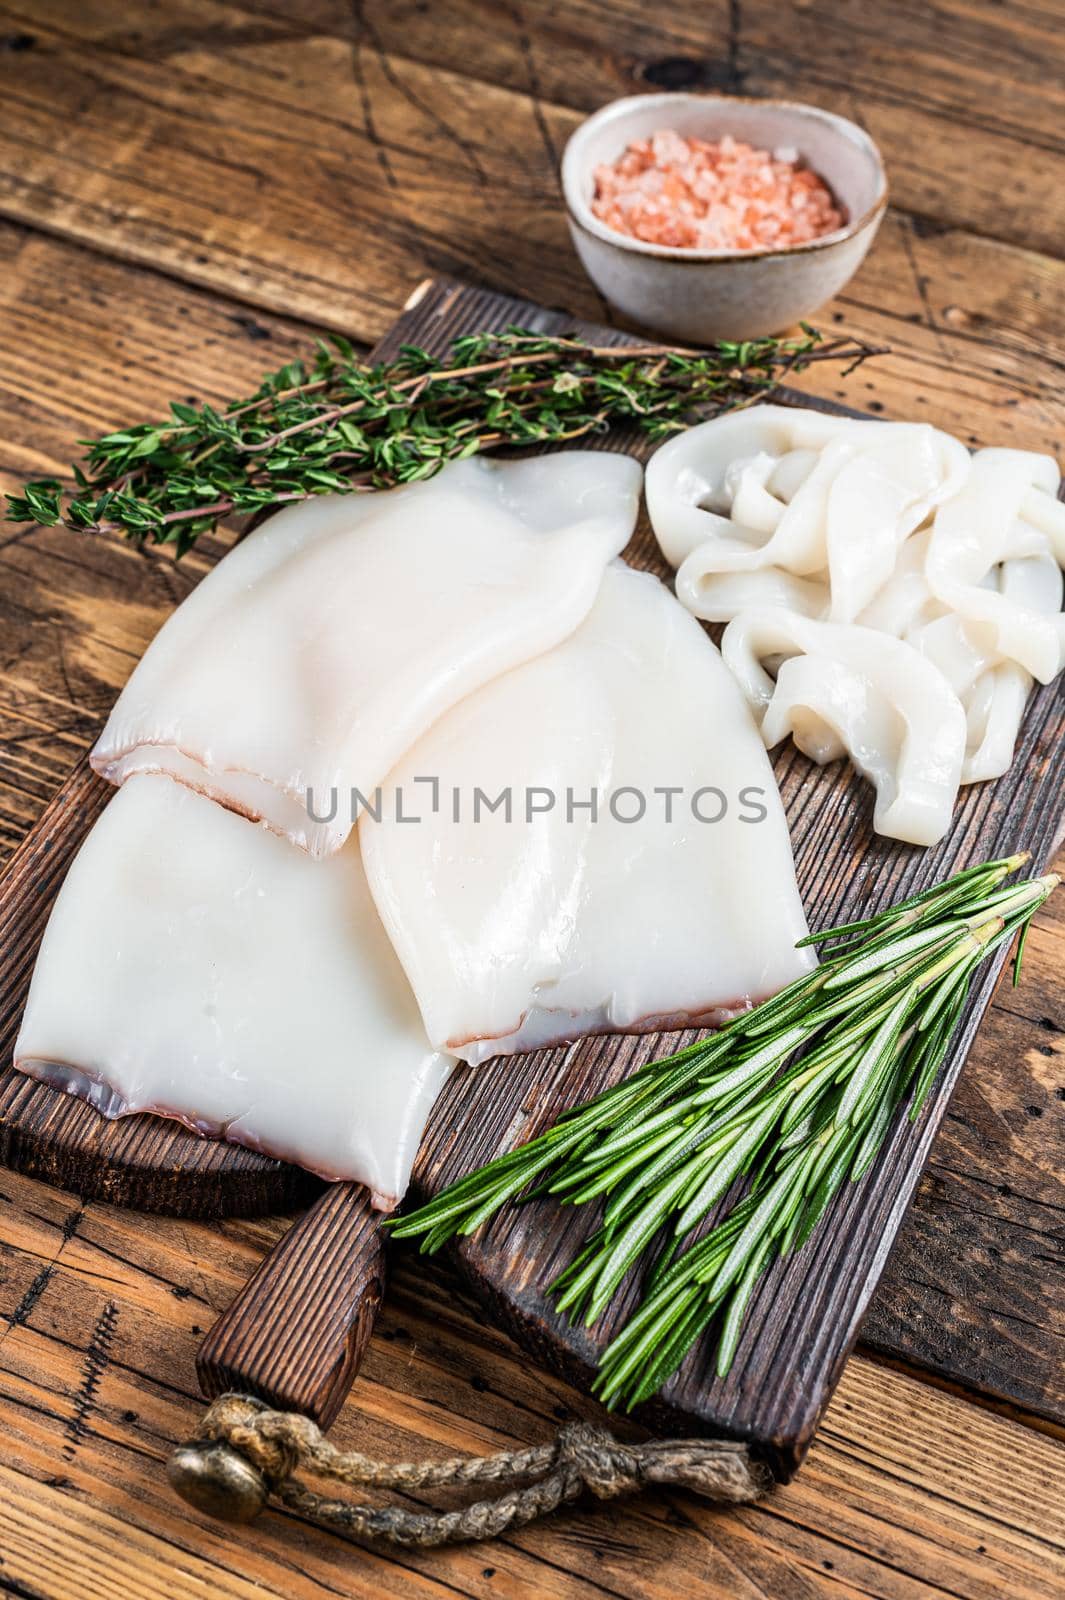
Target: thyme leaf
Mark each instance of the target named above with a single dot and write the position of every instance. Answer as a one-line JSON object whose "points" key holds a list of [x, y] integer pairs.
{"points": [[337, 424]]}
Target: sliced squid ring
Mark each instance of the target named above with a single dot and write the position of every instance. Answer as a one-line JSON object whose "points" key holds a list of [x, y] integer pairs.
{"points": [[840, 686]]}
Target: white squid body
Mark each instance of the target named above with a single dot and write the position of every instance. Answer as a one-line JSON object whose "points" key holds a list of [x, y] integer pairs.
{"points": [[517, 934], [779, 495], [844, 689], [311, 658], [198, 966]]}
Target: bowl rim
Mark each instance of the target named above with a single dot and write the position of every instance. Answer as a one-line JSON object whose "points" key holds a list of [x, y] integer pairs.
{"points": [[581, 214]]}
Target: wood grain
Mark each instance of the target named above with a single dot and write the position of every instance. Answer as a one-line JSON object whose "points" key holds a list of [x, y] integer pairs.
{"points": [[297, 1332], [908, 1493], [968, 147], [87, 342], [368, 165], [806, 1313]]}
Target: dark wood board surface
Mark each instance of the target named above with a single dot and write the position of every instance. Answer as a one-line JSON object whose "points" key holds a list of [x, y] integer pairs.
{"points": [[804, 1318]]}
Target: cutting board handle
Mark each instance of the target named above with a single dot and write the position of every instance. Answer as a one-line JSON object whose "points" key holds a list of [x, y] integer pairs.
{"points": [[296, 1333]]}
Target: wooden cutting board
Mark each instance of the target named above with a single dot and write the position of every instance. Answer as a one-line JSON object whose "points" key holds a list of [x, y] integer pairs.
{"points": [[805, 1313]]}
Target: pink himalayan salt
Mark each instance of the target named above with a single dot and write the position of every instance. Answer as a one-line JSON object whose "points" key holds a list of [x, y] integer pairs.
{"points": [[705, 195]]}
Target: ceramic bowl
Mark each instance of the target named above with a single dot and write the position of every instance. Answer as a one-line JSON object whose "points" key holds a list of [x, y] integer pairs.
{"points": [[701, 295]]}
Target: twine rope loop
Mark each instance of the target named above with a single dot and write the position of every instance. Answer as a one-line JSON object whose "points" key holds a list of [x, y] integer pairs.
{"points": [[581, 1458]]}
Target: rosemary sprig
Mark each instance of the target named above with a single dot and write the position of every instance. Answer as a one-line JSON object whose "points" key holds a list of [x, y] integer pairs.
{"points": [[341, 425], [772, 1115]]}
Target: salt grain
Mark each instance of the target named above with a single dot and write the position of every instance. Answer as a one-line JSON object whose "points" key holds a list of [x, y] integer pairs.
{"points": [[704, 195]]}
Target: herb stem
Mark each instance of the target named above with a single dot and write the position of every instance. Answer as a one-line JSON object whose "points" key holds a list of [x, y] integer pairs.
{"points": [[762, 1123], [339, 425]]}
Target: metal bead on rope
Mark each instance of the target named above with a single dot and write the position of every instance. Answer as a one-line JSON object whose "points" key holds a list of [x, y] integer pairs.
{"points": [[244, 1453]]}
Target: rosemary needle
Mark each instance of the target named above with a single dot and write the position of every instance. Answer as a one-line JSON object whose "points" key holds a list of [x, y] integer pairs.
{"points": [[341, 425], [796, 1097]]}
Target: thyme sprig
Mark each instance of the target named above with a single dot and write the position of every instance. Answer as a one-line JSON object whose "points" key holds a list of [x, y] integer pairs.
{"points": [[771, 1116], [341, 425]]}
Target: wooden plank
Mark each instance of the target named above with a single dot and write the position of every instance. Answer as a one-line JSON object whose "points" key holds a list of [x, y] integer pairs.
{"points": [[97, 1553], [89, 344], [966, 101], [909, 1493], [944, 57], [86, 608], [368, 167]]}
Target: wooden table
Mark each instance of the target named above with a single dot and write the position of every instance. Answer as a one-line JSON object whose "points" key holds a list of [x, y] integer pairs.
{"points": [[187, 191]]}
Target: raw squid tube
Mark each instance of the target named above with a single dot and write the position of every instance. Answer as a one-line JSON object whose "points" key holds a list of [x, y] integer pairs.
{"points": [[197, 966], [781, 487], [992, 691], [905, 601], [994, 707], [694, 479], [1007, 510], [846, 688], [525, 928], [314, 655], [720, 596]]}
